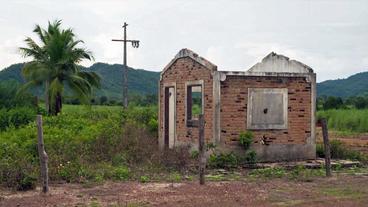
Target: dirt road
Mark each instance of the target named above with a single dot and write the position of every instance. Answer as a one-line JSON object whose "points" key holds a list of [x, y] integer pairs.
{"points": [[341, 190]]}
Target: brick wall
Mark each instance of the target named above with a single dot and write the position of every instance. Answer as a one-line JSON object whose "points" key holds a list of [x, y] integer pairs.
{"points": [[234, 99], [183, 70]]}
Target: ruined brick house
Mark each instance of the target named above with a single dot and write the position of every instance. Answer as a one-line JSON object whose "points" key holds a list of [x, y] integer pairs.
{"points": [[275, 99]]}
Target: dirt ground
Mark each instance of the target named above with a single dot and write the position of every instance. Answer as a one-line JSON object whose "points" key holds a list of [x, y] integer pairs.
{"points": [[340, 190], [357, 142]]}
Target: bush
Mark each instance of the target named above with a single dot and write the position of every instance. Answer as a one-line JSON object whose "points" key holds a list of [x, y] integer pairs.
{"points": [[121, 173], [340, 151], [27, 182], [251, 157], [144, 179], [223, 160], [16, 117], [333, 103], [320, 150], [303, 174], [194, 154], [175, 177], [246, 139], [177, 159]]}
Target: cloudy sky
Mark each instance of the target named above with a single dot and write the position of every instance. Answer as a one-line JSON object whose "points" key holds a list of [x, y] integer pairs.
{"points": [[331, 36]]}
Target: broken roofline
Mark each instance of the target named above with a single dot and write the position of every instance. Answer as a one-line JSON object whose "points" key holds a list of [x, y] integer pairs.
{"points": [[271, 65]]}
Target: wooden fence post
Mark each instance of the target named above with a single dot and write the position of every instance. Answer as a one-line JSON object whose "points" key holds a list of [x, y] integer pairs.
{"points": [[201, 147], [326, 143], [43, 156]]}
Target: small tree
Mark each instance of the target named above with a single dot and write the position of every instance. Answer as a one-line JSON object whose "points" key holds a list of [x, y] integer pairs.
{"points": [[55, 64], [333, 103]]}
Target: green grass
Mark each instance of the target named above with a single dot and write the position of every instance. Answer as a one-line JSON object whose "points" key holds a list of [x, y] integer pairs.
{"points": [[343, 192], [346, 120]]}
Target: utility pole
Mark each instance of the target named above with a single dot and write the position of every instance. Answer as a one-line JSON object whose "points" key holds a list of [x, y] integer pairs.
{"points": [[135, 44]]}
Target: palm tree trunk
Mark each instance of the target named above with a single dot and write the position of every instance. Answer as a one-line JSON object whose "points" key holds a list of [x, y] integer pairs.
{"points": [[47, 97], [58, 103]]}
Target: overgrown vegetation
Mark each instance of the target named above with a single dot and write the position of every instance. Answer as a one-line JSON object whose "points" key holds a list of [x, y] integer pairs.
{"points": [[15, 110], [83, 144], [227, 160], [349, 120], [340, 151]]}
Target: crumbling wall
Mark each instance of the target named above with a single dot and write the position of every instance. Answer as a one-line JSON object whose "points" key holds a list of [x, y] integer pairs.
{"points": [[181, 71], [234, 100]]}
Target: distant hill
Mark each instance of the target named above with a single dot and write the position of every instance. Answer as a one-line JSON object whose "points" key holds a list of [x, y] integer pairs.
{"points": [[354, 85], [12, 72], [145, 82], [140, 81]]}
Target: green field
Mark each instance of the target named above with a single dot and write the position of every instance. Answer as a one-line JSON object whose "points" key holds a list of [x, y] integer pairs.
{"points": [[346, 120]]}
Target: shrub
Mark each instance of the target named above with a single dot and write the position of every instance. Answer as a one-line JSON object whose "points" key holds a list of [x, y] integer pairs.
{"points": [[340, 151], [121, 173], [137, 143], [26, 182], [177, 159], [223, 160], [16, 117], [333, 103], [144, 179], [153, 125], [251, 157], [175, 177], [194, 154], [246, 139], [320, 150]]}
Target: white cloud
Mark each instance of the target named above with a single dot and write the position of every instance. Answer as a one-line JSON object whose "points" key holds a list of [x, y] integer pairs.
{"points": [[9, 50], [330, 36]]}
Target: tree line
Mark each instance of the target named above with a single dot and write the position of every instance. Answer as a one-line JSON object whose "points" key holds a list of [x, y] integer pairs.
{"points": [[332, 102], [134, 100]]}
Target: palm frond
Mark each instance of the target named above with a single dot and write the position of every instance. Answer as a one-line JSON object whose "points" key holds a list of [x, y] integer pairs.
{"points": [[35, 71], [93, 78], [27, 86], [41, 33]]}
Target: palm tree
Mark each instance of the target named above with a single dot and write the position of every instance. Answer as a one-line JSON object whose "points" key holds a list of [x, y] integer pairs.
{"points": [[55, 65]]}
